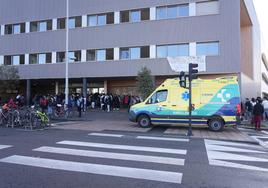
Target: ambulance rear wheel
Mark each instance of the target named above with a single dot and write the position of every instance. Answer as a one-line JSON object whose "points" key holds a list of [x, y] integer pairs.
{"points": [[216, 125], [144, 121]]}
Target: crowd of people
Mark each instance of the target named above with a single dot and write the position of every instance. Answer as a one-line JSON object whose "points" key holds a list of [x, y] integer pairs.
{"points": [[255, 110], [105, 102]]}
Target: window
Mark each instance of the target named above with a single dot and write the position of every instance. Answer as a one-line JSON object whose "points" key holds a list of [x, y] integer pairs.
{"points": [[135, 16], [22, 28], [172, 50], [7, 60], [8, 29], [16, 29], [135, 53], [183, 10], [41, 58], [172, 12], [161, 13], [101, 19], [33, 59], [110, 18], [49, 25], [16, 60], [33, 26], [77, 55], [145, 14], [71, 23], [101, 55], [92, 20], [91, 55], [74, 56], [207, 7], [183, 50], [159, 96], [22, 59], [161, 51], [145, 52], [124, 16], [110, 54], [42, 26], [48, 57], [60, 57], [124, 53], [61, 23], [208, 49]]}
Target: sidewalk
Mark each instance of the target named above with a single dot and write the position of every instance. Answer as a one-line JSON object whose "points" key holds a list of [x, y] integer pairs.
{"points": [[118, 121], [248, 125]]}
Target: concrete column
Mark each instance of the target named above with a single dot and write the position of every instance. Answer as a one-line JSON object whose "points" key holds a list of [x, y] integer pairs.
{"points": [[84, 87], [1, 60], [26, 59], [116, 17], [54, 24], [153, 13], [152, 51], [192, 51], [54, 57], [83, 55], [27, 27], [2, 29], [28, 92], [192, 9], [56, 88], [105, 86], [116, 53], [84, 21]]}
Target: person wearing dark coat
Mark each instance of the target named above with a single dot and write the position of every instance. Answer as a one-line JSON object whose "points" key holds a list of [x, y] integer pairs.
{"points": [[258, 111]]}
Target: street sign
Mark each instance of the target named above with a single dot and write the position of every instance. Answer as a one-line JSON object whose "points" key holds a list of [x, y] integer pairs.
{"points": [[179, 64]]}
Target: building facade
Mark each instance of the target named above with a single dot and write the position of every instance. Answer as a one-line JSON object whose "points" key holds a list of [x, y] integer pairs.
{"points": [[110, 41]]}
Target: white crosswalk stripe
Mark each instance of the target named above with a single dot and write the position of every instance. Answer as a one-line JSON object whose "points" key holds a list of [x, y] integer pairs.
{"points": [[152, 156], [124, 147], [4, 146], [110, 155], [140, 137], [220, 153], [155, 175]]}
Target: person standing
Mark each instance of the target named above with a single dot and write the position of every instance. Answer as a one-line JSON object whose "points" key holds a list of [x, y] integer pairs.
{"points": [[265, 106], [258, 111], [248, 109], [79, 104]]}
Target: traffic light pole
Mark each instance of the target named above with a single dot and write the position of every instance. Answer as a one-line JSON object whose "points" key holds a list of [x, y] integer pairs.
{"points": [[190, 108]]}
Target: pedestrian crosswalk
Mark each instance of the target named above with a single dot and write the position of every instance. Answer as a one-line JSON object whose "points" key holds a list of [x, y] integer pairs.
{"points": [[260, 137], [135, 156], [234, 155]]}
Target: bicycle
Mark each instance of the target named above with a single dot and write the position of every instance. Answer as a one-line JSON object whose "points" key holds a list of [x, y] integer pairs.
{"points": [[39, 119]]}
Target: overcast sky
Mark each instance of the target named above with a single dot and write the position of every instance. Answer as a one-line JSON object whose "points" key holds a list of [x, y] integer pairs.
{"points": [[261, 7]]}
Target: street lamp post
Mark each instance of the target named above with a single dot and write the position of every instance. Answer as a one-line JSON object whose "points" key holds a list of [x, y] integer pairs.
{"points": [[67, 55]]}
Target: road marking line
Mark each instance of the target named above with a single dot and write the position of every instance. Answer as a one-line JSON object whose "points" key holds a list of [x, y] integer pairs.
{"points": [[108, 155], [108, 135], [162, 138], [265, 132], [236, 165], [212, 147], [214, 142], [5, 146], [217, 155], [124, 147], [154, 175]]}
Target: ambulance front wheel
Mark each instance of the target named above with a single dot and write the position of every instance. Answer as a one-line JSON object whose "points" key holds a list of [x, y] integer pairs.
{"points": [[144, 121], [216, 124]]}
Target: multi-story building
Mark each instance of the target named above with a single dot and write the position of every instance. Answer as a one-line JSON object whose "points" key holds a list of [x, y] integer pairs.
{"points": [[110, 41]]}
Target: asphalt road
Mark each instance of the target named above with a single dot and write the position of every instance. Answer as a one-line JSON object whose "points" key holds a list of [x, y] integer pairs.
{"points": [[77, 159]]}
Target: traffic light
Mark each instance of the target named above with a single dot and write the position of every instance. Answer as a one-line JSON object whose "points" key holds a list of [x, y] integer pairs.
{"points": [[193, 71], [182, 78]]}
